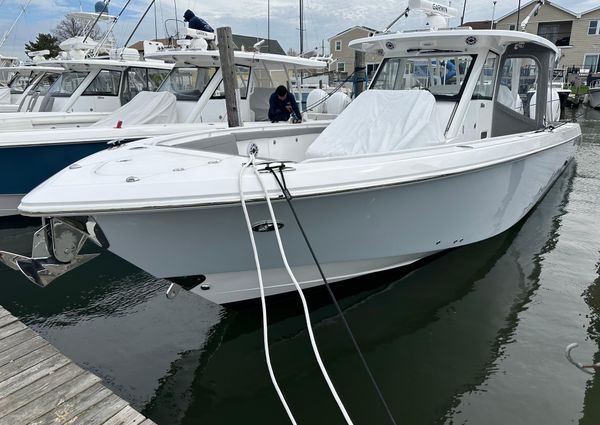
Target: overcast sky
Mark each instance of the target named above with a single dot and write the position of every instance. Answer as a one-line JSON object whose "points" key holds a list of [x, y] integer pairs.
{"points": [[323, 18]]}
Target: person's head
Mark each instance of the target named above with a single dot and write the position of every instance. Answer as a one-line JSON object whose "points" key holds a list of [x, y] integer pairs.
{"points": [[281, 92], [188, 15]]}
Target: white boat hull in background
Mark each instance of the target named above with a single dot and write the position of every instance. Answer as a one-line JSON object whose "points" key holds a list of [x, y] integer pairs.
{"points": [[594, 97], [353, 233]]}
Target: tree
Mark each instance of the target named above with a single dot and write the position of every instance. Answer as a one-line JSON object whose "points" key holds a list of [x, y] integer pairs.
{"points": [[71, 27], [292, 52], [44, 42]]}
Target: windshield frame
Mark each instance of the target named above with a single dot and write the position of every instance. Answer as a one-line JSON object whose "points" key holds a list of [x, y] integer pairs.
{"points": [[435, 54]]}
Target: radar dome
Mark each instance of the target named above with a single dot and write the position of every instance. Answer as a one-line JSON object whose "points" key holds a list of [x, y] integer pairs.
{"points": [[101, 7]]}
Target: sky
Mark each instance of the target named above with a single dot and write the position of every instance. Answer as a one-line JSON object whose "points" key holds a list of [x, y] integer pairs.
{"points": [[323, 18]]}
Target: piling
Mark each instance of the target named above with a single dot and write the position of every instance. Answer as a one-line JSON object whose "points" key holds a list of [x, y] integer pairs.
{"points": [[39, 385], [360, 72], [225, 41]]}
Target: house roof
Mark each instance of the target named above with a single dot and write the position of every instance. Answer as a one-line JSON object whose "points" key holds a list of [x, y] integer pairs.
{"points": [[362, 27], [478, 25], [548, 3], [590, 11], [270, 46]]}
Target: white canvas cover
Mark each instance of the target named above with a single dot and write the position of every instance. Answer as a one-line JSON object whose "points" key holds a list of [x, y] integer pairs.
{"points": [[145, 108], [381, 121], [4, 95]]}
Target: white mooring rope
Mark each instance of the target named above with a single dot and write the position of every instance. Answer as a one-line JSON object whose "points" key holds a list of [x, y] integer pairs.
{"points": [[298, 289]]}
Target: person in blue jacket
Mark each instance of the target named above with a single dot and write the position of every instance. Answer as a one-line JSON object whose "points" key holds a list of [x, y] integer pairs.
{"points": [[195, 22], [282, 104]]}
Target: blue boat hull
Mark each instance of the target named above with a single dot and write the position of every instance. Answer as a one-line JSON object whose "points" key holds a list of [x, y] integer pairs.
{"points": [[22, 168]]}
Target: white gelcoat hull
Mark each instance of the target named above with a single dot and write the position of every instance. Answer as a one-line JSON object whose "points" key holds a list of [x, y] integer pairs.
{"points": [[353, 233], [594, 97]]}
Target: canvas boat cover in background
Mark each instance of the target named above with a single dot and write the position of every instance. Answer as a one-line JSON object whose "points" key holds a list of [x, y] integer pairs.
{"points": [[145, 108]]}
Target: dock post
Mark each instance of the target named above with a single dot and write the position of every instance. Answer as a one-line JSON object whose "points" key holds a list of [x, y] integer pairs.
{"points": [[360, 72], [225, 41]]}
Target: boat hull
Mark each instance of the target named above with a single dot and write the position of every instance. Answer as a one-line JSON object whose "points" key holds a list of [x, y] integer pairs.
{"points": [[24, 167], [594, 97], [353, 233]]}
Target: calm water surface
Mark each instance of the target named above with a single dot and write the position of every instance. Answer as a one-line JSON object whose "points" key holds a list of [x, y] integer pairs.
{"points": [[474, 336]]}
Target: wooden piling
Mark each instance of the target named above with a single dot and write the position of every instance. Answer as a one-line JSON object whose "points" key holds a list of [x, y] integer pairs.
{"points": [[39, 385], [360, 72], [225, 41]]}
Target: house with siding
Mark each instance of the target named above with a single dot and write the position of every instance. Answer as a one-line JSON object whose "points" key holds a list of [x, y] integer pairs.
{"points": [[577, 34], [343, 55]]}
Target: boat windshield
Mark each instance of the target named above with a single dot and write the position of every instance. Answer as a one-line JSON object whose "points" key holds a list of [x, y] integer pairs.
{"points": [[442, 75], [44, 83], [67, 83], [19, 83], [188, 83]]}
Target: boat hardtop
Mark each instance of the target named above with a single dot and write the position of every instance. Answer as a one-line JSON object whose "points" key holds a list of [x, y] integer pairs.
{"points": [[462, 39], [185, 57]]}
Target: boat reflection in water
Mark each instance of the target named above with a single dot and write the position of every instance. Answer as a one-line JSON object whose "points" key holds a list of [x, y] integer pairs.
{"points": [[430, 337]]}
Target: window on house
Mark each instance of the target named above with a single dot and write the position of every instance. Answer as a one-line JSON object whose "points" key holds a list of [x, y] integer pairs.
{"points": [[512, 27], [591, 62], [341, 67], [594, 28], [338, 45]]}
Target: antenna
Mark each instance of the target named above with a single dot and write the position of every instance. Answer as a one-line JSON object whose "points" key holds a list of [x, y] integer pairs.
{"points": [[7, 33], [137, 26], [258, 45], [533, 12]]}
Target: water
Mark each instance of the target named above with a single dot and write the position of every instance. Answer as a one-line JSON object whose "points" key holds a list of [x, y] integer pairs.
{"points": [[474, 336]]}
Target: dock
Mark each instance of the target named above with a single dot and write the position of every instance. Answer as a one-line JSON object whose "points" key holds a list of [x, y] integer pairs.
{"points": [[39, 385]]}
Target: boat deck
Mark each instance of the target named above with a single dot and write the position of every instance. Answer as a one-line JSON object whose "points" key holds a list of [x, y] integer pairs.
{"points": [[39, 385]]}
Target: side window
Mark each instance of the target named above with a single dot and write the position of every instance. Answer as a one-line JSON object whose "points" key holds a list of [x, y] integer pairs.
{"points": [[338, 45], [106, 83], [518, 82], [141, 79], [243, 77], [485, 85]]}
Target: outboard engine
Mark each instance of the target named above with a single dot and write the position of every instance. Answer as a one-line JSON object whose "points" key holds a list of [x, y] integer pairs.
{"points": [[316, 97], [336, 103]]}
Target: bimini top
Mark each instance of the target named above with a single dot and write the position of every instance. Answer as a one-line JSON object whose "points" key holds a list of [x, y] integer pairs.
{"points": [[211, 58], [89, 64], [459, 39]]}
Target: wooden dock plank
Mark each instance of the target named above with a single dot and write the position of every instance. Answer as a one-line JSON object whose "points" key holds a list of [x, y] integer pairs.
{"points": [[27, 361], [11, 329], [127, 416], [16, 339], [32, 374], [39, 385], [38, 388], [50, 400], [73, 407], [5, 320], [99, 413], [20, 350]]}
